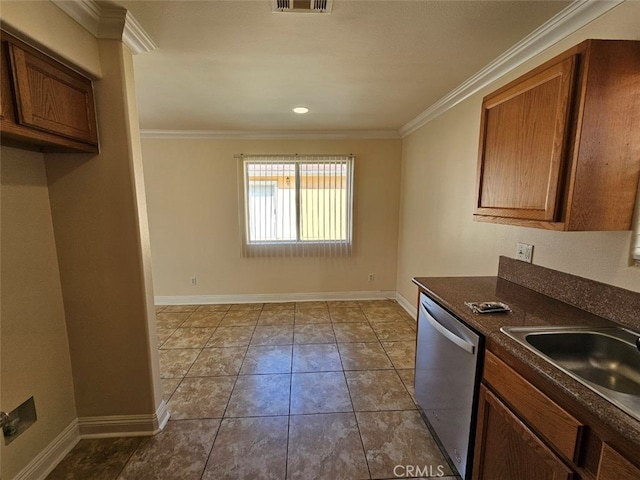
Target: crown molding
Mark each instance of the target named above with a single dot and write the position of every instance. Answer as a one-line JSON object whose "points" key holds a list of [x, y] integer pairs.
{"points": [[135, 37], [85, 12], [563, 24], [271, 135], [113, 23]]}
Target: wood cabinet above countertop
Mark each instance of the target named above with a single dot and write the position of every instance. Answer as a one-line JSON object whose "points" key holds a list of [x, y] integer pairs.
{"points": [[45, 104], [559, 147]]}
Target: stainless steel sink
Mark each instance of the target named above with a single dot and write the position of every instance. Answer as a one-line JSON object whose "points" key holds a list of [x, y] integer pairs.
{"points": [[606, 360]]}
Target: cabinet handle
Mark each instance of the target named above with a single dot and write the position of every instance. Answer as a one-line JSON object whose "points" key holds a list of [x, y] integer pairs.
{"points": [[452, 337]]}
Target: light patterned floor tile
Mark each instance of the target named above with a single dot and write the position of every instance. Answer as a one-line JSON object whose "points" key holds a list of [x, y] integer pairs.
{"points": [[363, 356], [342, 315], [276, 317], [319, 392], [188, 338], [169, 386], [214, 308], [98, 459], [249, 448], [314, 333], [402, 354], [245, 306], [231, 336], [391, 331], [204, 319], [398, 438], [313, 306], [171, 320], [267, 359], [179, 452], [279, 306], [316, 358], [354, 332], [175, 363], [202, 397], [375, 390], [408, 378], [240, 317], [312, 316], [272, 335], [180, 308], [260, 396], [213, 362], [325, 446]]}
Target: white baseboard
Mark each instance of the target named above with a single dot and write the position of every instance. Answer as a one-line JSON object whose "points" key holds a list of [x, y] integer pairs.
{"points": [[124, 425], [273, 297], [407, 305], [92, 427], [47, 459]]}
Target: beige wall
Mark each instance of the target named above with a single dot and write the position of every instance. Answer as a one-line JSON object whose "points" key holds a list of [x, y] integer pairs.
{"points": [[99, 233], [96, 212], [35, 353], [192, 198], [52, 30], [437, 235]]}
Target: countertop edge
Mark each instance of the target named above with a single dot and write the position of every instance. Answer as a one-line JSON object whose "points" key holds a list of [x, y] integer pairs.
{"points": [[560, 387]]}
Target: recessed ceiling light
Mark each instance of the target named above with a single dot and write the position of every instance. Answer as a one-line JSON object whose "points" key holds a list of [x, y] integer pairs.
{"points": [[300, 110]]}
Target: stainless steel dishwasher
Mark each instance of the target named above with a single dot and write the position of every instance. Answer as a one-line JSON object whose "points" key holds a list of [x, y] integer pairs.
{"points": [[447, 379]]}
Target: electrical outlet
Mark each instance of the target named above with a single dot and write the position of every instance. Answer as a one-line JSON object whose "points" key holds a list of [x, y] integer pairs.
{"points": [[194, 280], [524, 252], [372, 277]]}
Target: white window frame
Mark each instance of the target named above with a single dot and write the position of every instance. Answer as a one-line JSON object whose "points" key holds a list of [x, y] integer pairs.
{"points": [[299, 246]]}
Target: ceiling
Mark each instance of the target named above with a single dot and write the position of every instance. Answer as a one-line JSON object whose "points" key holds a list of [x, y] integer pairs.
{"points": [[366, 66]]}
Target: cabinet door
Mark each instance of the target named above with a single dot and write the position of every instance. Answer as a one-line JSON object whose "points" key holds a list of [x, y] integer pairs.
{"points": [[523, 141], [506, 449], [51, 97], [614, 466], [6, 105]]}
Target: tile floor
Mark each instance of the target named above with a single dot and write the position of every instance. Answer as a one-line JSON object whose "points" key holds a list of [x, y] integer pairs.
{"points": [[312, 390]]}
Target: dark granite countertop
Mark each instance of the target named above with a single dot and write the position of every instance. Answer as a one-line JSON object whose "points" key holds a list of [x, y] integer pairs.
{"points": [[530, 308]]}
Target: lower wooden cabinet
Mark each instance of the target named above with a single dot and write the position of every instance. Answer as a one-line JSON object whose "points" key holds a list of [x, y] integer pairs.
{"points": [[506, 449], [614, 466], [522, 434]]}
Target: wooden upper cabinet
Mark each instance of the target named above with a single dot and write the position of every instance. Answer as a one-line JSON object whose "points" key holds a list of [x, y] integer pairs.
{"points": [[52, 98], [44, 103], [559, 147], [521, 164], [6, 103]]}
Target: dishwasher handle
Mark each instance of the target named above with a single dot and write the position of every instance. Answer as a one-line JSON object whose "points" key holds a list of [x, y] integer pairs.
{"points": [[449, 335]]}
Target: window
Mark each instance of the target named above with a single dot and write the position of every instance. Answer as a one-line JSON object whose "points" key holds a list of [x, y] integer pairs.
{"points": [[297, 205]]}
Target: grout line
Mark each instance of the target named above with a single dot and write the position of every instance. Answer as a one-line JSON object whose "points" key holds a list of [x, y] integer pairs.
{"points": [[143, 441], [286, 458]]}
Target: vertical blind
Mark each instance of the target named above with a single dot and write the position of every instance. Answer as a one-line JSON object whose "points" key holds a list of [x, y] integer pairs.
{"points": [[296, 205]]}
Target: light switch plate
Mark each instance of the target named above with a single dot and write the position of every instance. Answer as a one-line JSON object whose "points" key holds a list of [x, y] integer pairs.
{"points": [[524, 252]]}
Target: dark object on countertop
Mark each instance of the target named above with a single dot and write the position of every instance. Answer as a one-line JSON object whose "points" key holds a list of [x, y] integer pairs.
{"points": [[488, 307]]}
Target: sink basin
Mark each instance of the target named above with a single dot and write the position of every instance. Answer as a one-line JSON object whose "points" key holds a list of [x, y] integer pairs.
{"points": [[604, 359]]}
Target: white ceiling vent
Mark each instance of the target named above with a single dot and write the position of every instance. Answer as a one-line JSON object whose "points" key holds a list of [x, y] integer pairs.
{"points": [[302, 6]]}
